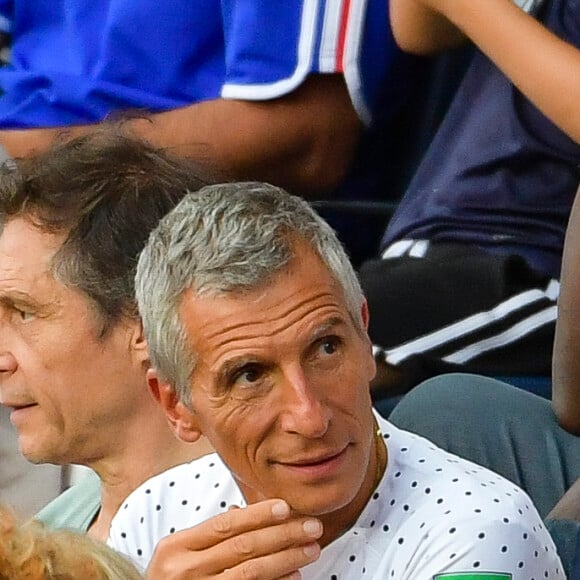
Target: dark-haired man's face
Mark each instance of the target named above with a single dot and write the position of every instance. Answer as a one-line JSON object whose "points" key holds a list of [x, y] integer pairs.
{"points": [[68, 389]]}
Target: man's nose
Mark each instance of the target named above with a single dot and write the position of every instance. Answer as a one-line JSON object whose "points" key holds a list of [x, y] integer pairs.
{"points": [[305, 408]]}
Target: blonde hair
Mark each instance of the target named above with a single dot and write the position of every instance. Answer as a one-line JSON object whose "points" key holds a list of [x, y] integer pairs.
{"points": [[30, 551]]}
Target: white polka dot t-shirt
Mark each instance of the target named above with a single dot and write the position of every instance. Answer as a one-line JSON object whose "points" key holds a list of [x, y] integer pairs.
{"points": [[433, 516], [178, 498]]}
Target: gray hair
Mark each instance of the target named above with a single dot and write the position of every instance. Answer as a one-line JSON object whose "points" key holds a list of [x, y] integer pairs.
{"points": [[226, 238]]}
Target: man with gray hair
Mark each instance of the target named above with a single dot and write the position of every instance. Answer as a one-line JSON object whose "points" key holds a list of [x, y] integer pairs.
{"points": [[256, 326]]}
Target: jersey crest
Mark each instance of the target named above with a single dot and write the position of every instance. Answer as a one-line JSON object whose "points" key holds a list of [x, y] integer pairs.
{"points": [[472, 576]]}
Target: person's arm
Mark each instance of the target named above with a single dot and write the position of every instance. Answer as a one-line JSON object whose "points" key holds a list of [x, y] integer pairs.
{"points": [[566, 357], [420, 29], [568, 508], [542, 66], [303, 141]]}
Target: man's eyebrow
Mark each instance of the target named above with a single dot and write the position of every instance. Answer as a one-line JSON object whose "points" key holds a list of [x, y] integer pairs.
{"points": [[328, 326], [17, 298]]}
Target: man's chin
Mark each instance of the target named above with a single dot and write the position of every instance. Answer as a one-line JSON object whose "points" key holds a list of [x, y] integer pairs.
{"points": [[36, 459], [324, 505], [38, 456]]}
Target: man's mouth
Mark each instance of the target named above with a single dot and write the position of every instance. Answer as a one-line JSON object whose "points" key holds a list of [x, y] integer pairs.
{"points": [[317, 466], [17, 405], [19, 411], [315, 460]]}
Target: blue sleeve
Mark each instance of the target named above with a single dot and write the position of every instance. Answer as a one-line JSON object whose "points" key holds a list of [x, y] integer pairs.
{"points": [[272, 46], [261, 40]]}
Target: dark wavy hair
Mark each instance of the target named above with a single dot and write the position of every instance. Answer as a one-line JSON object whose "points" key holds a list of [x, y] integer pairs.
{"points": [[105, 192]]}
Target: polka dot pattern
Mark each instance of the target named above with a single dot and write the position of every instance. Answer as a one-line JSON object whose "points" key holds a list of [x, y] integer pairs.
{"points": [[174, 500], [432, 513]]}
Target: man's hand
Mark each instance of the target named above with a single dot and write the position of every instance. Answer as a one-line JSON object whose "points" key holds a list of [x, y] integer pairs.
{"points": [[263, 542]]}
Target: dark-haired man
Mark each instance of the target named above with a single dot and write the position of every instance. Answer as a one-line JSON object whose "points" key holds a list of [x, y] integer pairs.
{"points": [[73, 357]]}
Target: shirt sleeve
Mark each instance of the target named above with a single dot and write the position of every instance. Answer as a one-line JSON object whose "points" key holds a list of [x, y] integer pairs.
{"points": [[157, 508], [272, 46], [133, 534], [495, 550]]}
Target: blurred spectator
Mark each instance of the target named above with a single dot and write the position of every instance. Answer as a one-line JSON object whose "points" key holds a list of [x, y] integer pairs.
{"points": [[519, 435], [468, 275], [29, 551], [277, 91], [296, 93], [73, 360]]}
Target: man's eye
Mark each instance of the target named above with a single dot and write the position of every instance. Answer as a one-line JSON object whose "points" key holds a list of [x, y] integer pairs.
{"points": [[330, 345], [24, 315], [249, 374]]}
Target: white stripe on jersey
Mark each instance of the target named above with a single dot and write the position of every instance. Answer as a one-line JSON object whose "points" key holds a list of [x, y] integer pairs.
{"points": [[521, 328], [351, 58], [306, 47], [330, 36], [471, 323], [329, 49]]}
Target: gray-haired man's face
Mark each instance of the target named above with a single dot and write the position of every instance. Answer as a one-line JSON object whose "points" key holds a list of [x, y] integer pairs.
{"points": [[281, 389]]}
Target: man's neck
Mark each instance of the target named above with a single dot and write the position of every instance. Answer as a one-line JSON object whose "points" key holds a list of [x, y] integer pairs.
{"points": [[339, 522], [123, 473]]}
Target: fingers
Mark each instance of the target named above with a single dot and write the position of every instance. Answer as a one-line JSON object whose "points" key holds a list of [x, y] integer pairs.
{"points": [[283, 564], [262, 541], [233, 523], [291, 542]]}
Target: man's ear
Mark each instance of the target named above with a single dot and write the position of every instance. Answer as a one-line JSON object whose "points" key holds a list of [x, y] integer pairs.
{"points": [[182, 420], [365, 314], [372, 365], [139, 343]]}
